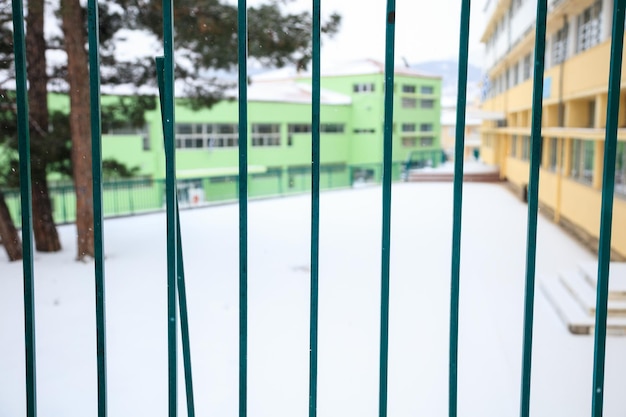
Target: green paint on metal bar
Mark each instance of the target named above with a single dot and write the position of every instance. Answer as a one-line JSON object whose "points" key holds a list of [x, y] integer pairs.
{"points": [[19, 49], [242, 45], [386, 232], [182, 293], [315, 207], [606, 217], [170, 198], [184, 321], [533, 205], [96, 152], [458, 204]]}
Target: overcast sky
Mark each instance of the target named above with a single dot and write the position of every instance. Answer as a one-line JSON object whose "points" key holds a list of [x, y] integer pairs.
{"points": [[425, 29]]}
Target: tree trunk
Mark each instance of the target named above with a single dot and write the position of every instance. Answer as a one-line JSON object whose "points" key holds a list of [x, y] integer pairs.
{"points": [[44, 230], [78, 79], [8, 233]]}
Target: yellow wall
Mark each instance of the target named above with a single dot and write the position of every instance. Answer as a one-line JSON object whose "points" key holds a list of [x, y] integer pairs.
{"points": [[618, 241], [548, 188], [517, 171], [584, 81], [580, 204]]}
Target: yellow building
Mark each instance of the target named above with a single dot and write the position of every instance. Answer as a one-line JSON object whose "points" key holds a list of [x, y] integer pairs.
{"points": [[578, 40]]}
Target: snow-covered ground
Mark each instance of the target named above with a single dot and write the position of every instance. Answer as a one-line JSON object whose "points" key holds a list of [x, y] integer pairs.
{"points": [[492, 282]]}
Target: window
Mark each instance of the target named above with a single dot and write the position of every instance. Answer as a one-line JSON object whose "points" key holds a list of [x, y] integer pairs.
{"points": [[409, 141], [525, 148], [222, 135], [408, 127], [426, 127], [588, 27], [559, 46], [201, 135], [409, 103], [427, 89], [427, 141], [363, 87], [358, 131], [184, 128], [332, 128], [591, 115], [620, 169], [265, 134], [146, 145], [553, 163], [299, 128], [514, 146], [427, 103], [527, 74], [582, 160], [408, 89]]}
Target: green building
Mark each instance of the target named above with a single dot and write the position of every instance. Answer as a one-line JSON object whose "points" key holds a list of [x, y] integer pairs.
{"points": [[279, 135], [279, 132]]}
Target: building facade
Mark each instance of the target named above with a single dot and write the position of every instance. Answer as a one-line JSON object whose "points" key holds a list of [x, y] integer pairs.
{"points": [[578, 40], [279, 130]]}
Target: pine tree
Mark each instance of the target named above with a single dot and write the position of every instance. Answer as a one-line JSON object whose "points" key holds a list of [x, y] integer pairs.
{"points": [[205, 39]]}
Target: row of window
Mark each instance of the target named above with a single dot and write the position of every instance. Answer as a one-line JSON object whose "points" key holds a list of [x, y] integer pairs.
{"points": [[581, 157], [412, 127], [222, 135], [130, 130], [513, 75], [588, 34], [406, 88], [413, 141], [226, 135], [324, 128], [501, 24], [412, 103]]}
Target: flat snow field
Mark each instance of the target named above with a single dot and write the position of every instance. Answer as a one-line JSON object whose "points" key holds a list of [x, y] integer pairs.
{"points": [[492, 295]]}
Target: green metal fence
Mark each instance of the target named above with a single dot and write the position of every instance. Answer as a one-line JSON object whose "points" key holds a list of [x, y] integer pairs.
{"points": [[175, 270], [136, 196]]}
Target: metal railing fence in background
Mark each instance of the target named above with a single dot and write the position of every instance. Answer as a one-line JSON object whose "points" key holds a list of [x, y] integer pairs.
{"points": [[142, 195], [170, 195]]}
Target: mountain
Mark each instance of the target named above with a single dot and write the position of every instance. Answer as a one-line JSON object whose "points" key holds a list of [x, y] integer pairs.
{"points": [[448, 70]]}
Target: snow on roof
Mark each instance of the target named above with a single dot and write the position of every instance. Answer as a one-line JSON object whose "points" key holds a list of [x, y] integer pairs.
{"points": [[357, 67], [292, 92], [370, 66]]}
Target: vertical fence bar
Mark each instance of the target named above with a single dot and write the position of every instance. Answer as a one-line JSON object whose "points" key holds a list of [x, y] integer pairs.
{"points": [[170, 198], [182, 294], [315, 207], [184, 321], [242, 43], [533, 205], [19, 49], [457, 209], [96, 152], [386, 232], [606, 216]]}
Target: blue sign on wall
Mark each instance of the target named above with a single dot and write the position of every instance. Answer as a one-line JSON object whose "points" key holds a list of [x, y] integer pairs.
{"points": [[547, 87]]}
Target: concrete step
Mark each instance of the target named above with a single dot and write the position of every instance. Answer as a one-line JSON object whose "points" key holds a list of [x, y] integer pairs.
{"points": [[576, 318], [566, 307], [617, 278], [585, 294]]}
